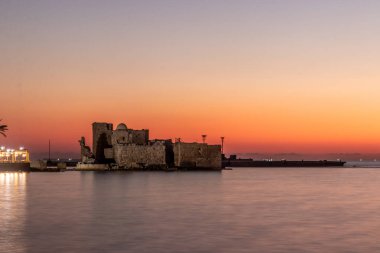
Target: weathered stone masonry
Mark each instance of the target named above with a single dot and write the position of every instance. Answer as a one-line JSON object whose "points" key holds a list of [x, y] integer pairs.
{"points": [[131, 149]]}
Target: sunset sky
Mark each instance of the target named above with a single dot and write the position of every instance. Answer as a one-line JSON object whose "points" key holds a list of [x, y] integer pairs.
{"points": [[270, 76]]}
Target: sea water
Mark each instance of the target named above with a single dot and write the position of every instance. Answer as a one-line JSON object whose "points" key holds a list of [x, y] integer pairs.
{"points": [[241, 210]]}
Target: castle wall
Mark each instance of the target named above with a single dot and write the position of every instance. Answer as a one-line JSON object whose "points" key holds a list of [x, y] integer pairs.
{"points": [[140, 156], [197, 155], [102, 133], [131, 149], [121, 137], [130, 136], [139, 137], [168, 150]]}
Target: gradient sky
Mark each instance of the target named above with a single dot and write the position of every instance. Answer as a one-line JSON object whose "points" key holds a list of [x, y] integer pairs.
{"points": [[270, 76]]}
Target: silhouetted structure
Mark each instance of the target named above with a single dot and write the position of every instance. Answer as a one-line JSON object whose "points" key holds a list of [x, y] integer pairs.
{"points": [[125, 148], [233, 161]]}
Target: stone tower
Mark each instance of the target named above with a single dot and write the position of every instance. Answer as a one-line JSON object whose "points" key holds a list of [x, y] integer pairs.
{"points": [[102, 139]]}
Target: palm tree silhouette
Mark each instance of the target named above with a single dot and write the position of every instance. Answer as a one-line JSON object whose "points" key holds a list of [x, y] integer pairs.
{"points": [[3, 128]]}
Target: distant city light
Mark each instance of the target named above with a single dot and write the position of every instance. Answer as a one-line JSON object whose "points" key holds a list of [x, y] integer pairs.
{"points": [[9, 155]]}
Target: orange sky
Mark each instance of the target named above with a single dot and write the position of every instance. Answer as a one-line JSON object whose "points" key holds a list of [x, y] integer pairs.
{"points": [[270, 77]]}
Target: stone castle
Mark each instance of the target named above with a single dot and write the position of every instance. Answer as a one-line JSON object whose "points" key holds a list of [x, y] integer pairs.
{"points": [[125, 148]]}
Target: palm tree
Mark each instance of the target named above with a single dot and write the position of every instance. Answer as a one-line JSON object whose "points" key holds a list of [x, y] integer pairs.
{"points": [[3, 128]]}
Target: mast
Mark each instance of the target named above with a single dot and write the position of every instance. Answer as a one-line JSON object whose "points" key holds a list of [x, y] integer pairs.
{"points": [[49, 150]]}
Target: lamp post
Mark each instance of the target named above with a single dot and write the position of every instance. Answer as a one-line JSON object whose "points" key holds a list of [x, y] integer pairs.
{"points": [[204, 138]]}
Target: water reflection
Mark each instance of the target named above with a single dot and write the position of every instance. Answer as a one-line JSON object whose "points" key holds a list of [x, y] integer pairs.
{"points": [[243, 210], [12, 211]]}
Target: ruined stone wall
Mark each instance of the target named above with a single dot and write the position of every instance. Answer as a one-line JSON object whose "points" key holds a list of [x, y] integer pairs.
{"points": [[121, 137], [130, 136], [139, 137], [168, 150], [134, 156], [102, 133], [108, 154], [131, 149], [197, 155]]}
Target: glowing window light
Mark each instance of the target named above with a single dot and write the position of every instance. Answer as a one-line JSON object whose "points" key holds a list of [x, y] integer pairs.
{"points": [[9, 155]]}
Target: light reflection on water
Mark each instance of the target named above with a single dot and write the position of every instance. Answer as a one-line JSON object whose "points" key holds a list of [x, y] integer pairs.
{"points": [[243, 210], [12, 212]]}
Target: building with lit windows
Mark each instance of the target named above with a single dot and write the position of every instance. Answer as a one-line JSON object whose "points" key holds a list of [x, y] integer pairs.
{"points": [[14, 159]]}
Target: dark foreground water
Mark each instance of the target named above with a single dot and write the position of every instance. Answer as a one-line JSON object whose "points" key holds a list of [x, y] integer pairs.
{"points": [[243, 210]]}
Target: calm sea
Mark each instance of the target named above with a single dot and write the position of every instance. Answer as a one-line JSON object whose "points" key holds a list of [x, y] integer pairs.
{"points": [[243, 210]]}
